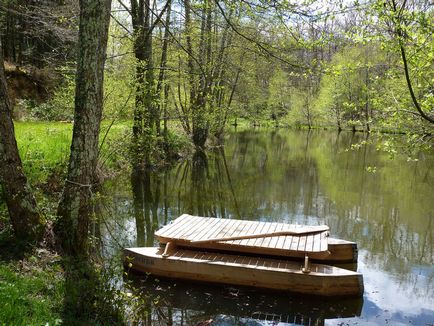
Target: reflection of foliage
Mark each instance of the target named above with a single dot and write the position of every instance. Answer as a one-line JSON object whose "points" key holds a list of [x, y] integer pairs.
{"points": [[390, 210], [309, 178], [178, 303]]}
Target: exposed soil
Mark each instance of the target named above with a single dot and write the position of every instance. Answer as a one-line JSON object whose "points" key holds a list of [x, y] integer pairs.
{"points": [[29, 83]]}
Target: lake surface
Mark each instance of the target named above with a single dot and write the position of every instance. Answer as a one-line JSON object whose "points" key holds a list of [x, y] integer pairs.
{"points": [[299, 177]]}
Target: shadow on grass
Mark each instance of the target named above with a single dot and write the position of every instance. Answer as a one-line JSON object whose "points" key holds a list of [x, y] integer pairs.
{"points": [[37, 285], [31, 283], [11, 249], [89, 298]]}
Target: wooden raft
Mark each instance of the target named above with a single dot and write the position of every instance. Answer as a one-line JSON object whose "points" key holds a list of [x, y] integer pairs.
{"points": [[205, 233], [260, 272]]}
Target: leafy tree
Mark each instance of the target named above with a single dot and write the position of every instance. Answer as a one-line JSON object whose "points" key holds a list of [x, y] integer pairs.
{"points": [[411, 26]]}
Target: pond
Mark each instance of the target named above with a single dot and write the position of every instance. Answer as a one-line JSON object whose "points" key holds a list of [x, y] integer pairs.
{"points": [[319, 177]]}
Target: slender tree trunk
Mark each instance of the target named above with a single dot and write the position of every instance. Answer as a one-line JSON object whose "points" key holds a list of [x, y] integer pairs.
{"points": [[190, 61], [75, 207], [23, 211], [138, 22], [338, 118], [162, 87], [146, 111], [368, 128], [200, 122], [397, 20]]}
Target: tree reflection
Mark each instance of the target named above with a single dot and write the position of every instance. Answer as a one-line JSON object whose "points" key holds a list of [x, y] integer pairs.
{"points": [[204, 186], [183, 303], [146, 196], [308, 178]]}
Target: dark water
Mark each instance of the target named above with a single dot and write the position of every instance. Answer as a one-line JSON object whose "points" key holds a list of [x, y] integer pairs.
{"points": [[386, 206]]}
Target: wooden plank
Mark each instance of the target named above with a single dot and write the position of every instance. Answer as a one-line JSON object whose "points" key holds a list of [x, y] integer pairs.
{"points": [[302, 244], [317, 242], [259, 229], [211, 226], [264, 234], [205, 227], [218, 228], [229, 269], [229, 229], [280, 240], [189, 227], [170, 228], [297, 241], [264, 229], [251, 228], [321, 246], [309, 243], [223, 229], [266, 240], [287, 242], [186, 225], [175, 223]]}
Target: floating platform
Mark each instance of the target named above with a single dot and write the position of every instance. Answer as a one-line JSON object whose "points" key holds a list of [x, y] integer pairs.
{"points": [[268, 273], [257, 237]]}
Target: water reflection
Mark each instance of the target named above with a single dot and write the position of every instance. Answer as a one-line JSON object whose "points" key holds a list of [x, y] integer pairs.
{"points": [[181, 303], [309, 178], [146, 200]]}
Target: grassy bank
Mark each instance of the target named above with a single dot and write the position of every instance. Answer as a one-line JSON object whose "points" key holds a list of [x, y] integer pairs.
{"points": [[32, 284], [37, 286], [44, 146], [31, 290]]}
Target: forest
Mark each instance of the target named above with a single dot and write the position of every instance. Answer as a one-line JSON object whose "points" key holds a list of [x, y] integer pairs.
{"points": [[94, 89]]}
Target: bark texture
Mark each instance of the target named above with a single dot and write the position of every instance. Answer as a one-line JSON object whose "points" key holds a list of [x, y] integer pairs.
{"points": [[23, 211], [75, 208]]}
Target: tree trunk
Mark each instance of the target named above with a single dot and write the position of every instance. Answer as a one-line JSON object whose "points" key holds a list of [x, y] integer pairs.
{"points": [[23, 211], [162, 86], [75, 208], [146, 111], [200, 122], [368, 128], [397, 20]]}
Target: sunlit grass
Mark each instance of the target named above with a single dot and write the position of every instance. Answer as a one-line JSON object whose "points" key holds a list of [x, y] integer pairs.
{"points": [[45, 146]]}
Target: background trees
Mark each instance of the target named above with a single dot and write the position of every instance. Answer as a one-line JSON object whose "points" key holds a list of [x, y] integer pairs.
{"points": [[188, 67], [38, 33]]}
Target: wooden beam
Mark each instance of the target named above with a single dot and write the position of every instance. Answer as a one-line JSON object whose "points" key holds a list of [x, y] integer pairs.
{"points": [[301, 232]]}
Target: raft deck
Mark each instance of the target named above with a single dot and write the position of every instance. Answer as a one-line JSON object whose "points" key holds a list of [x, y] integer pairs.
{"points": [[259, 272], [205, 232]]}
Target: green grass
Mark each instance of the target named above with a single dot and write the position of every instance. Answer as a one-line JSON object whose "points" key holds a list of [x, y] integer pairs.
{"points": [[44, 146], [30, 294]]}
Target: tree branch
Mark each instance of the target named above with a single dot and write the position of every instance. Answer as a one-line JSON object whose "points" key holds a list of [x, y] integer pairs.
{"points": [[258, 44]]}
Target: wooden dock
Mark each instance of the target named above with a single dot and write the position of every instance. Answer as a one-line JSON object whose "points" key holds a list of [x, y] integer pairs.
{"points": [[264, 238], [277, 274]]}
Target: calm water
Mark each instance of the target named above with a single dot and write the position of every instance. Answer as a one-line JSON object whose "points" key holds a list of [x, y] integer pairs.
{"points": [[386, 206]]}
